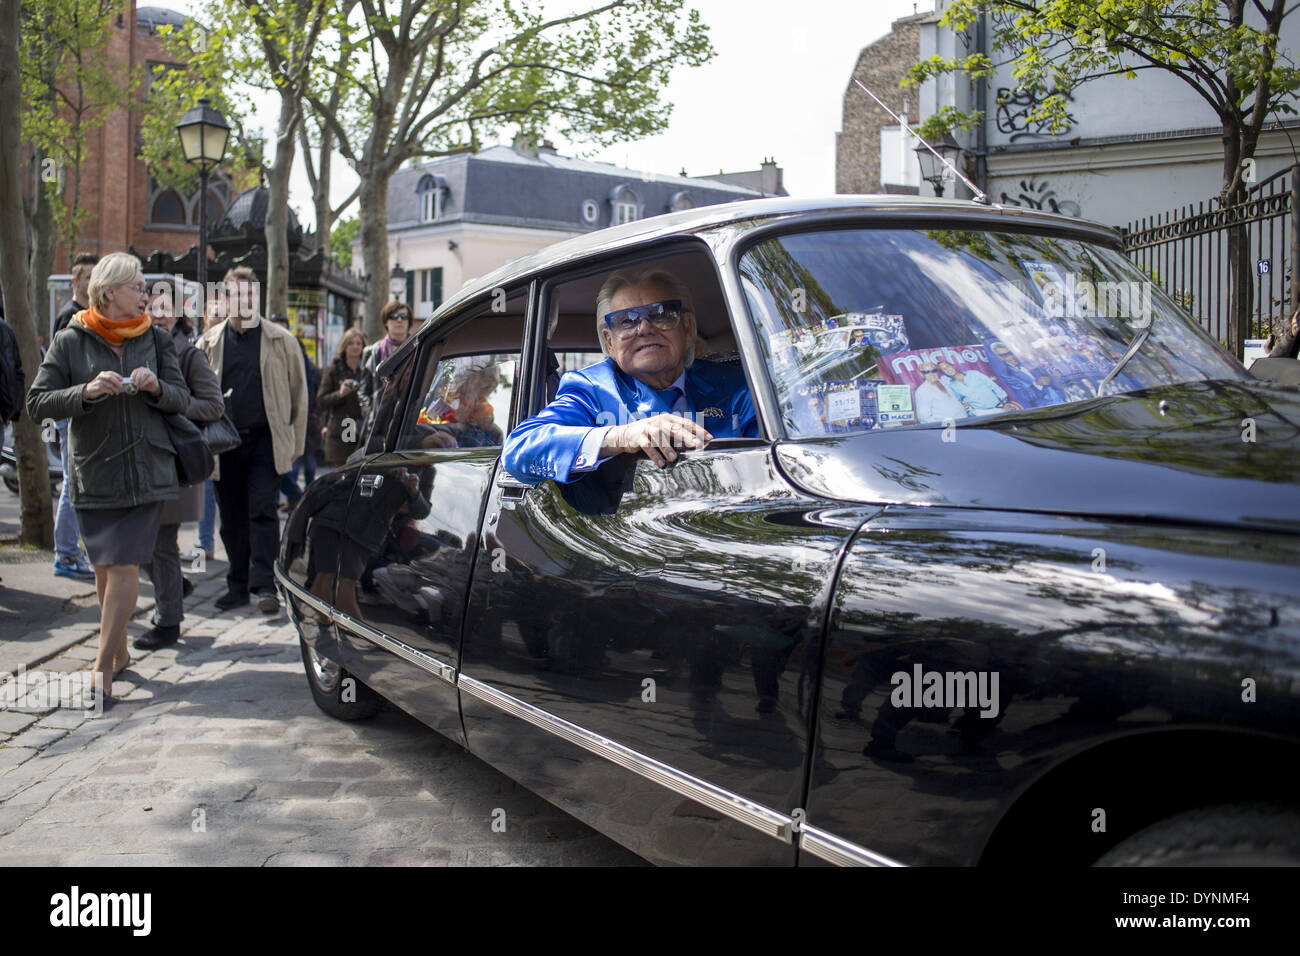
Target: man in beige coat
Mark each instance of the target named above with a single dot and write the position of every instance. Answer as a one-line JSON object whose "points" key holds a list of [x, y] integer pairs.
{"points": [[260, 368]]}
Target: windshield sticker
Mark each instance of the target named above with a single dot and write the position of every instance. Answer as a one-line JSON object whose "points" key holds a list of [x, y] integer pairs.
{"points": [[894, 405]]}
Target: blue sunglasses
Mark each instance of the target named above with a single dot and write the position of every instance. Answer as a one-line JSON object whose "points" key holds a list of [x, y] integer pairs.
{"points": [[662, 315]]}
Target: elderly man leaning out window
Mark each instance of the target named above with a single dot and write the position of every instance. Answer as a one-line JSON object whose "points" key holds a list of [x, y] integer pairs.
{"points": [[649, 395]]}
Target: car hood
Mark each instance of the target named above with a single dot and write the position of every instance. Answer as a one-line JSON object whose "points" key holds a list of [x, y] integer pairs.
{"points": [[1178, 453]]}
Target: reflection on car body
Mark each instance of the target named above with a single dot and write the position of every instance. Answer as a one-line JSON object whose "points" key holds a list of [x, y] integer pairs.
{"points": [[941, 600]]}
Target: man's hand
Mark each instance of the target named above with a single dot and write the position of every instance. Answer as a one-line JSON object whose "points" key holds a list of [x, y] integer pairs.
{"points": [[657, 436], [146, 381], [105, 383], [347, 388]]}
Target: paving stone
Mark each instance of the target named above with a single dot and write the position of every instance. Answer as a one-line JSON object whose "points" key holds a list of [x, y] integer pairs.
{"points": [[12, 723], [66, 664], [410, 856], [13, 756], [81, 652], [38, 738], [65, 719]]}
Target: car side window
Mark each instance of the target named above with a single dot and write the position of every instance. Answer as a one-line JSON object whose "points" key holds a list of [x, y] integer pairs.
{"points": [[466, 403], [465, 389]]}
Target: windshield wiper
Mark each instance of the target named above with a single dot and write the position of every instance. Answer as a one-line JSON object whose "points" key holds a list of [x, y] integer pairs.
{"points": [[1138, 341]]}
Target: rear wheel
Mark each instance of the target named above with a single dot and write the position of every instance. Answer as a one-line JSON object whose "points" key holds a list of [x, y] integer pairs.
{"points": [[1230, 835], [336, 691]]}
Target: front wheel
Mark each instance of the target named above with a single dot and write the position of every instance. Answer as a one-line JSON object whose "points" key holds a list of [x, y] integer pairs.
{"points": [[336, 691], [1230, 835]]}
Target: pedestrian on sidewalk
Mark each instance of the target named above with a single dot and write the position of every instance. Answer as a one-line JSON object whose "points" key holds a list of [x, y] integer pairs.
{"points": [[396, 320], [12, 380], [205, 405], [339, 396], [306, 462], [260, 365], [121, 452], [69, 560], [214, 312]]}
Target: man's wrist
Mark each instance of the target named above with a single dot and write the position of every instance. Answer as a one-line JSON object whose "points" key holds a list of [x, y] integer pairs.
{"points": [[612, 443]]}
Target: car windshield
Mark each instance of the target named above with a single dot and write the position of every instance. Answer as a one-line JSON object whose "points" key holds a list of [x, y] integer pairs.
{"points": [[877, 328]]}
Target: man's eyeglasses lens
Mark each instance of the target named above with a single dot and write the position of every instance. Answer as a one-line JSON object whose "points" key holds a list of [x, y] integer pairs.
{"points": [[662, 315], [400, 315]]}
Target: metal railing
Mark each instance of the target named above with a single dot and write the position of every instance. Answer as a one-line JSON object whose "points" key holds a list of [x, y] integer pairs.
{"points": [[1186, 251]]}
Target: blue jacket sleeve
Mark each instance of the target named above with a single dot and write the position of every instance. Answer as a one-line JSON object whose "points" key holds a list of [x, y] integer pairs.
{"points": [[546, 445]]}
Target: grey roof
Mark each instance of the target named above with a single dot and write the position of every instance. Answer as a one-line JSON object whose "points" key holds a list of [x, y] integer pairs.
{"points": [[505, 186], [158, 16], [845, 208]]}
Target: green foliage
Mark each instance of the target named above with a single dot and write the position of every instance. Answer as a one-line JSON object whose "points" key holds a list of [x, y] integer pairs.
{"points": [[1057, 45], [204, 62], [456, 74], [69, 86], [341, 236]]}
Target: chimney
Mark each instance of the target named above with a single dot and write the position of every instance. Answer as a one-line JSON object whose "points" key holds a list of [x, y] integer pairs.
{"points": [[547, 147], [769, 179]]}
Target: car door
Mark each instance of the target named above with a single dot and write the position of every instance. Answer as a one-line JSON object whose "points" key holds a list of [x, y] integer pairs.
{"points": [[411, 529], [641, 646]]}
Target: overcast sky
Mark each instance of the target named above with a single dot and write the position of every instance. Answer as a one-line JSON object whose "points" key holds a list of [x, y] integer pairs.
{"points": [[775, 88]]}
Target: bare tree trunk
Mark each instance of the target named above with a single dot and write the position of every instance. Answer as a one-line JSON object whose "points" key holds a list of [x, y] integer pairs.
{"points": [[324, 214], [277, 208], [374, 247], [37, 515], [45, 236]]}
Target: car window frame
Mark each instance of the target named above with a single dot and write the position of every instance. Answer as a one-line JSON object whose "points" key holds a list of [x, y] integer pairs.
{"points": [[631, 258], [436, 332], [910, 219]]}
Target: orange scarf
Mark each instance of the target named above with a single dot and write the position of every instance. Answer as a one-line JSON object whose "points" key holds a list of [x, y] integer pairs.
{"points": [[113, 331]]}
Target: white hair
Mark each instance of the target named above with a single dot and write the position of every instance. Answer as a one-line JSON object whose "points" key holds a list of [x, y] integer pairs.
{"points": [[645, 276], [114, 269]]}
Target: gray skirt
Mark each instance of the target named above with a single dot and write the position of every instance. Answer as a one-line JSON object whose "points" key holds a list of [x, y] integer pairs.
{"points": [[120, 535]]}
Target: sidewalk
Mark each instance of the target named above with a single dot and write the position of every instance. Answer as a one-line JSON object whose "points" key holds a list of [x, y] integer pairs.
{"points": [[215, 754]]}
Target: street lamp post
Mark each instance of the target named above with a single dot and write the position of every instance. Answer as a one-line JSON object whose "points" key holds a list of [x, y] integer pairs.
{"points": [[397, 283], [203, 132], [933, 171]]}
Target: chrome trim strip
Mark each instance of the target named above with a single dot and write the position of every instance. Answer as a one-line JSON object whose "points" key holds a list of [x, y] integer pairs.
{"points": [[301, 593], [841, 852], [420, 659], [752, 814]]}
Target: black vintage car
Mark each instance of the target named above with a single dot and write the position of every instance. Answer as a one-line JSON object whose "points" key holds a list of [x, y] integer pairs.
{"points": [[1009, 575]]}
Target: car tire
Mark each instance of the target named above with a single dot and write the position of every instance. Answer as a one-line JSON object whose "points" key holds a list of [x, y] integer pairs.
{"points": [[329, 683], [11, 484], [1229, 835]]}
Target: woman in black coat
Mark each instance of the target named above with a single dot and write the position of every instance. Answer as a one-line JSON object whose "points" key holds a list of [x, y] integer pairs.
{"points": [[340, 399]]}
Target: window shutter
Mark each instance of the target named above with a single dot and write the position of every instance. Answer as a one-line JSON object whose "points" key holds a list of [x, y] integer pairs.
{"points": [[410, 288], [436, 286]]}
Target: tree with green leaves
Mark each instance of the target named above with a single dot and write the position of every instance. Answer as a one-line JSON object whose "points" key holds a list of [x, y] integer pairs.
{"points": [[437, 77], [1225, 50], [69, 87], [271, 46]]}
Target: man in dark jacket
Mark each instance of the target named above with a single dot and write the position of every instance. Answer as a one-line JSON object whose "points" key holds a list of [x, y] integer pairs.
{"points": [[13, 384], [82, 266]]}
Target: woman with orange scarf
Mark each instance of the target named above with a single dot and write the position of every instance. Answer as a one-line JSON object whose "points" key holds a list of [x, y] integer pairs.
{"points": [[115, 379]]}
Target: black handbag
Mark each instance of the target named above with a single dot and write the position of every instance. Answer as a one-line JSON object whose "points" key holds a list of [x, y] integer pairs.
{"points": [[222, 435], [194, 459]]}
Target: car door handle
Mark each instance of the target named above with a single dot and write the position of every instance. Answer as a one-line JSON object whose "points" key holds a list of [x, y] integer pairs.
{"points": [[513, 492], [369, 483]]}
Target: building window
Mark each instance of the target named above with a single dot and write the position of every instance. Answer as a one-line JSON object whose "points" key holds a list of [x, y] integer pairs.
{"points": [[168, 209], [625, 207], [431, 190], [681, 200], [430, 292]]}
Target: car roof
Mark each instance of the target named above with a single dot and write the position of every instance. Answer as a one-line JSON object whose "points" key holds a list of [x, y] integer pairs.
{"points": [[692, 221]]}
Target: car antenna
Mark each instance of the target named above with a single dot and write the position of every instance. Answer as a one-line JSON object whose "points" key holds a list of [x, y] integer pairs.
{"points": [[980, 196]]}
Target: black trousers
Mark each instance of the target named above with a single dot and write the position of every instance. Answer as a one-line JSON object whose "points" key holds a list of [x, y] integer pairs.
{"points": [[247, 493]]}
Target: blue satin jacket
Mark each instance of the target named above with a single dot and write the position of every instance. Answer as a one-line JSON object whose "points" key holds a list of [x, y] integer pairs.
{"points": [[546, 445]]}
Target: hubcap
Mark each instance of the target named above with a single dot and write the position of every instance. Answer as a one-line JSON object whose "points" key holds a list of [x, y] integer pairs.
{"points": [[324, 671]]}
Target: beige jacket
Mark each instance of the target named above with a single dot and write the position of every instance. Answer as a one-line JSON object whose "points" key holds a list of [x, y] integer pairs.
{"points": [[284, 388]]}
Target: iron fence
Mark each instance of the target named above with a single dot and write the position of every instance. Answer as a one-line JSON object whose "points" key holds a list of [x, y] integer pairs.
{"points": [[1185, 250]]}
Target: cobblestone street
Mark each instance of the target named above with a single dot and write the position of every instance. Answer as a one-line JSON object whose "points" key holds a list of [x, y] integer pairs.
{"points": [[216, 754]]}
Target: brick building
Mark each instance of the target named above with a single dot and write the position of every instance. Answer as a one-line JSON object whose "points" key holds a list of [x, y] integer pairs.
{"points": [[124, 206], [872, 154]]}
